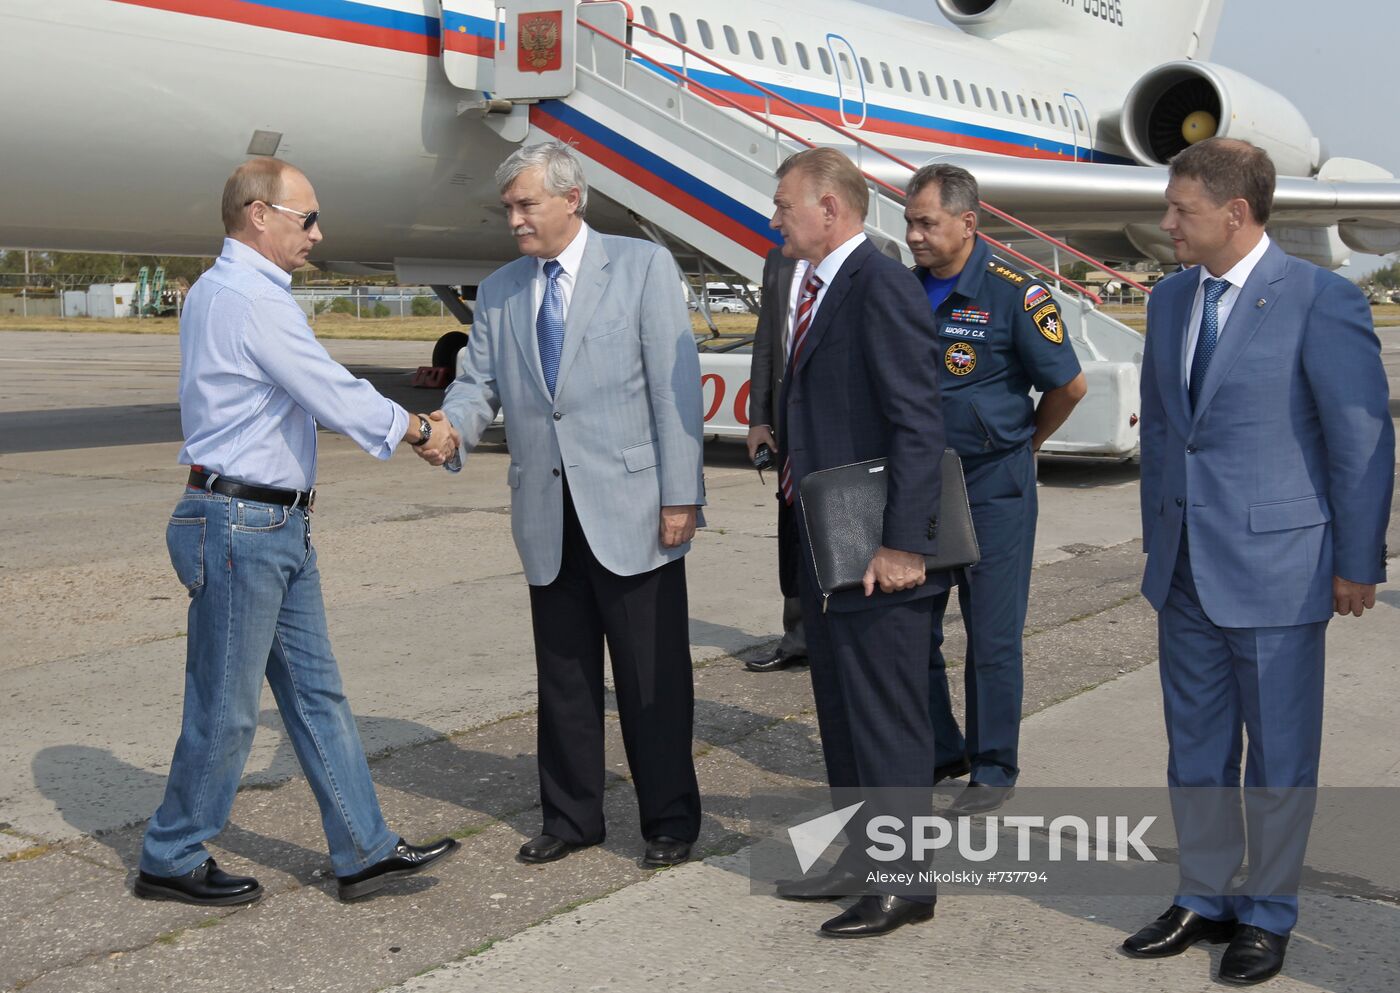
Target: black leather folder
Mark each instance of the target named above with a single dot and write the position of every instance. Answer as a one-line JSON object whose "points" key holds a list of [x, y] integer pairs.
{"points": [[844, 513]]}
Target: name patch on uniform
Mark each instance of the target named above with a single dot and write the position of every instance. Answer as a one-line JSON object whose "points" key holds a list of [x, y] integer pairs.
{"points": [[1048, 321], [966, 315], [958, 331], [1035, 296], [961, 358]]}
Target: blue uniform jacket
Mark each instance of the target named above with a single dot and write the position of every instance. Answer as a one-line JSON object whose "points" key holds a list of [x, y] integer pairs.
{"points": [[999, 335]]}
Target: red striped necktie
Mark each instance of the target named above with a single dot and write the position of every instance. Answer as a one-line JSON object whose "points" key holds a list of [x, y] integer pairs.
{"points": [[802, 320]]}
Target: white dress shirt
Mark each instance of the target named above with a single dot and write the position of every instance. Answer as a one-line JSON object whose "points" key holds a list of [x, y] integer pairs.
{"points": [[571, 258], [1236, 277], [827, 269]]}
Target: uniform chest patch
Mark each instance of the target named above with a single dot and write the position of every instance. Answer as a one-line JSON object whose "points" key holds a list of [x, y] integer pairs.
{"points": [[1052, 327], [967, 315], [1035, 296], [960, 358], [965, 333]]}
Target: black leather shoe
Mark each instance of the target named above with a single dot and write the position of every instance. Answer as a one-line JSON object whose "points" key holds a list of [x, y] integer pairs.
{"points": [[955, 769], [776, 663], [872, 915], [547, 848], [979, 798], [404, 860], [1253, 956], [829, 886], [206, 885], [662, 851], [1174, 932]]}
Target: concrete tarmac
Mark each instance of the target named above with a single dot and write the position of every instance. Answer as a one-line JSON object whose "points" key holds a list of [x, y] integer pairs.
{"points": [[428, 613]]}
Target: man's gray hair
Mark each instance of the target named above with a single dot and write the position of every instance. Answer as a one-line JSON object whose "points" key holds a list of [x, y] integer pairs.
{"points": [[562, 171], [957, 188]]}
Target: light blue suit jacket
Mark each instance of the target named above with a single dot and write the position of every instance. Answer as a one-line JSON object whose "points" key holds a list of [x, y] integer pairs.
{"points": [[625, 423], [1284, 471]]}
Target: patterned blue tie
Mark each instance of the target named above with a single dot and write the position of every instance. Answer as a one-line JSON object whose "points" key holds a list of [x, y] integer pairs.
{"points": [[1210, 334], [549, 325]]}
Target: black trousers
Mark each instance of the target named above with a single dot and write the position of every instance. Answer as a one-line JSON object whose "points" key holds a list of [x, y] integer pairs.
{"points": [[870, 683], [644, 620]]}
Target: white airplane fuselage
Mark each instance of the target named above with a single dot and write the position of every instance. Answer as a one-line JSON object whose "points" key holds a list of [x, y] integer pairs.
{"points": [[139, 108]]}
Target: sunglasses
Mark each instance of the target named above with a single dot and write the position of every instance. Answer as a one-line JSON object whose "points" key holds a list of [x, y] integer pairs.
{"points": [[308, 218]]}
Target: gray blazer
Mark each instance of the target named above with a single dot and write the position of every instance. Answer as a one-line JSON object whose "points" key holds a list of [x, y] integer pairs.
{"points": [[625, 424]]}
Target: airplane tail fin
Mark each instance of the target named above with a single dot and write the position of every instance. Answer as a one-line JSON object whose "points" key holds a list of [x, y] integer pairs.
{"points": [[1142, 34]]}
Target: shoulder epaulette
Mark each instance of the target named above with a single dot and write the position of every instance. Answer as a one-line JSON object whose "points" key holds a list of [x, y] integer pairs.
{"points": [[1014, 276]]}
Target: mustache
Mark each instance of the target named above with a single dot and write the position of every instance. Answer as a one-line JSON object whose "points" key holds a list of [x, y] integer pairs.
{"points": [[521, 230]]}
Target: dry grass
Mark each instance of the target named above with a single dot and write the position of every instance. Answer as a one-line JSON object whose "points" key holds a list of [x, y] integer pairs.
{"points": [[432, 328], [326, 325]]}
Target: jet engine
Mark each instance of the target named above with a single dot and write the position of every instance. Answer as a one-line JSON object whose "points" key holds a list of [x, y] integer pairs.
{"points": [[964, 12], [1180, 103]]}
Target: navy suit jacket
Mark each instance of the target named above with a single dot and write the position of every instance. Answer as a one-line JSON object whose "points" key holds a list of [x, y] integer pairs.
{"points": [[1283, 472], [866, 387]]}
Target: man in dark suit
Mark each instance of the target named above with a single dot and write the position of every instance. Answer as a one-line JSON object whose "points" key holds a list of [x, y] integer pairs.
{"points": [[1268, 459], [862, 383], [770, 345]]}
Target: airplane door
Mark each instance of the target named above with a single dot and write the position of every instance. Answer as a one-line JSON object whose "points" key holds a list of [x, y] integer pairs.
{"points": [[468, 45], [850, 85], [1080, 126]]}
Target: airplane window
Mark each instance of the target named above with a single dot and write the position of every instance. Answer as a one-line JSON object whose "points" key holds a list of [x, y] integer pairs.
{"points": [[885, 72], [731, 39], [825, 60], [802, 58], [649, 17], [957, 88], [707, 37], [904, 78], [678, 28], [778, 52], [923, 83], [1064, 117], [976, 96], [1006, 101], [845, 65], [756, 45], [1021, 102], [1035, 106], [991, 98], [1079, 121], [942, 87], [869, 72]]}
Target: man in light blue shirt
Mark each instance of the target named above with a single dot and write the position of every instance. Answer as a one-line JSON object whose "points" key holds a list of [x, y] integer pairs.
{"points": [[254, 384]]}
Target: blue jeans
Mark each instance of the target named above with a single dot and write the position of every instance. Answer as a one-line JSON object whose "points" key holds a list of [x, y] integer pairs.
{"points": [[255, 610]]}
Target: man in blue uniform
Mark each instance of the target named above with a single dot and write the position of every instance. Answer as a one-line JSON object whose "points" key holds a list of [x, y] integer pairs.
{"points": [[999, 335]]}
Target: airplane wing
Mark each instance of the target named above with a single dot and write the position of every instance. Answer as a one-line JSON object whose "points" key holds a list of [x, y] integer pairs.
{"points": [[1114, 209]]}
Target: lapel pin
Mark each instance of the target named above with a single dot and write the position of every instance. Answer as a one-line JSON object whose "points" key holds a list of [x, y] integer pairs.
{"points": [[1261, 302]]}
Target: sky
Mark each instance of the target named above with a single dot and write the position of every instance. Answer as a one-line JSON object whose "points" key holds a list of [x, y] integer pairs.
{"points": [[1334, 69]]}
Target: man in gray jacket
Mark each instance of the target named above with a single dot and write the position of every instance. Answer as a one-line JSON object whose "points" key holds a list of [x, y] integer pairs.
{"points": [[586, 344]]}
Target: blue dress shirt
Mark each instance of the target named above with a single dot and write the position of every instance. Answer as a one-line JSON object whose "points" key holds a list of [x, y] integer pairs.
{"points": [[254, 381]]}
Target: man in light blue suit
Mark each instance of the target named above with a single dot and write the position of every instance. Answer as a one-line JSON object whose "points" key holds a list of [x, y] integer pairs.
{"points": [[586, 344], [1268, 460]]}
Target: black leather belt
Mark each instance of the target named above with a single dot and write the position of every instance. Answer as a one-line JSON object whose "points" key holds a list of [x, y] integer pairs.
{"points": [[215, 483]]}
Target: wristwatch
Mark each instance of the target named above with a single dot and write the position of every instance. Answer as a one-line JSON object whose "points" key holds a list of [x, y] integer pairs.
{"points": [[425, 431]]}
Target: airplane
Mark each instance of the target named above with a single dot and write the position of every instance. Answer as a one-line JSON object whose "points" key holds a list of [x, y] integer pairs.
{"points": [[1066, 110]]}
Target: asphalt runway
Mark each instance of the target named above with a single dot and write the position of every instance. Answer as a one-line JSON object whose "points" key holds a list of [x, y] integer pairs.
{"points": [[428, 613]]}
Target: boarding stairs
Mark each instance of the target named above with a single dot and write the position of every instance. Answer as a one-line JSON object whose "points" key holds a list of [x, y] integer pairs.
{"points": [[694, 166]]}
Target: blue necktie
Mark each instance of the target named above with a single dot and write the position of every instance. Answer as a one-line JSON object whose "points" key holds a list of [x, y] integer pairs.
{"points": [[549, 325], [1209, 335]]}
